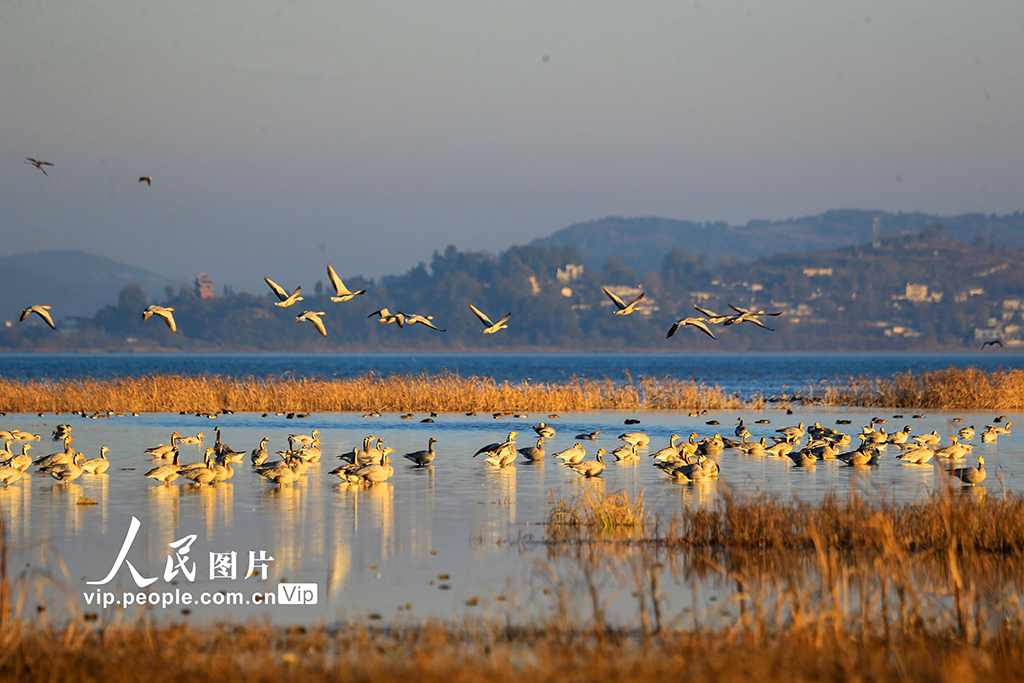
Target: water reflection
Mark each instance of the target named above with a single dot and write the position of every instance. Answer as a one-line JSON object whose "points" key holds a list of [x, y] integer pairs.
{"points": [[372, 549]]}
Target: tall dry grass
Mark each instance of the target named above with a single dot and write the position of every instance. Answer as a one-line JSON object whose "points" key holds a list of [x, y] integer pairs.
{"points": [[446, 392], [964, 388]]}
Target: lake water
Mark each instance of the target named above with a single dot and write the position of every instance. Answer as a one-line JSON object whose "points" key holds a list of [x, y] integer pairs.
{"points": [[768, 374], [442, 539]]}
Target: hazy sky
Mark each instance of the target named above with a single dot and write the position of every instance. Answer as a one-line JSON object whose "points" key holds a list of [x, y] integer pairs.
{"points": [[282, 135]]}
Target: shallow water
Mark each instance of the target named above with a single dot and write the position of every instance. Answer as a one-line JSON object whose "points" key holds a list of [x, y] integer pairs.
{"points": [[434, 538]]}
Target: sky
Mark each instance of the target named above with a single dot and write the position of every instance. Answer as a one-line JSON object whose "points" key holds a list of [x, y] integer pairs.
{"points": [[284, 135]]}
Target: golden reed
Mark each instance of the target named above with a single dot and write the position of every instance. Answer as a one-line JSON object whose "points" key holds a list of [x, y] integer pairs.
{"points": [[441, 393], [963, 388]]}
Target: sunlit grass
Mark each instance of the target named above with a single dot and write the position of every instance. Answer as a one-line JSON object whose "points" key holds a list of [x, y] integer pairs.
{"points": [[964, 388], [445, 392]]}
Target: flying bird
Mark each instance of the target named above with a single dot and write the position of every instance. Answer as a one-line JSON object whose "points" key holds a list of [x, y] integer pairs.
{"points": [[313, 317], [343, 293], [745, 316], [711, 317], [993, 343], [148, 179], [385, 316], [696, 322], [42, 312], [163, 312], [38, 164], [422, 319], [491, 327], [624, 309], [286, 299]]}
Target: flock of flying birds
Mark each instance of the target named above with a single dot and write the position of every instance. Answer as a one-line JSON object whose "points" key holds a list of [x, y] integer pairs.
{"points": [[384, 315], [342, 293]]}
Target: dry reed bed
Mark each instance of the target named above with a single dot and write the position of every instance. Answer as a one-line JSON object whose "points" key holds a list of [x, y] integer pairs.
{"points": [[945, 519], [421, 393], [962, 388], [492, 653]]}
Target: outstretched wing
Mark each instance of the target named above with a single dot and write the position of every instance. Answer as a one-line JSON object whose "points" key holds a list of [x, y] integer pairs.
{"points": [[738, 309], [483, 318], [278, 289], [168, 318], [339, 286], [636, 299], [615, 300]]}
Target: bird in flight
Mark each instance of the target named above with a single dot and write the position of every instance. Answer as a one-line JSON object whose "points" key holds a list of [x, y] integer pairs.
{"points": [[385, 316], [994, 342], [745, 316], [42, 312], [696, 322], [148, 179], [161, 312], [38, 164], [422, 319], [343, 293], [491, 327], [286, 299], [313, 317], [624, 309]]}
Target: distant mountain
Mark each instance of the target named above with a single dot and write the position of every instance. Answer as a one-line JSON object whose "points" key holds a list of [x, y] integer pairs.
{"points": [[641, 243], [74, 283]]}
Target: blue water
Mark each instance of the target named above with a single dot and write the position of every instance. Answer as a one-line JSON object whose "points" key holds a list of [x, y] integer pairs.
{"points": [[748, 373]]}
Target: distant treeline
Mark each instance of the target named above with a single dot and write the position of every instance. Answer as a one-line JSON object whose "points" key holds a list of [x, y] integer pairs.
{"points": [[853, 298]]}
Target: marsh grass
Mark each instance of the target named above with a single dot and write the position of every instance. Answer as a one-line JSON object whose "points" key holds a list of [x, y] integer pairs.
{"points": [[446, 392], [963, 388], [607, 512]]}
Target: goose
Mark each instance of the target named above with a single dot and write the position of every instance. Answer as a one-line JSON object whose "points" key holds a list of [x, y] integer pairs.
{"points": [[638, 439], [589, 436], [163, 450], [623, 308], [196, 440], [282, 473], [21, 461], [259, 454], [572, 455], [369, 475], [491, 327], [310, 452], [699, 323], [670, 452], [753, 447], [286, 299], [42, 311], [97, 465], [792, 433], [534, 453], [19, 435], [492, 448], [691, 471], [712, 446], [412, 319], [505, 454], [742, 431], [626, 453], [747, 316], [9, 474], [780, 450], [1003, 430], [422, 458], [38, 163], [932, 439], [900, 438], [314, 318], [189, 470], [223, 470], [954, 451], [304, 439], [710, 316], [544, 430], [66, 472], [803, 458], [865, 455], [917, 456], [148, 179], [64, 457], [384, 316], [589, 468], [6, 453], [342, 292], [971, 475], [989, 436], [61, 431], [165, 313], [967, 433]]}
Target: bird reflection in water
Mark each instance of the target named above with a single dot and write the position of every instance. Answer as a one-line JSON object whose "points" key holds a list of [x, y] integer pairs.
{"points": [[67, 495]]}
